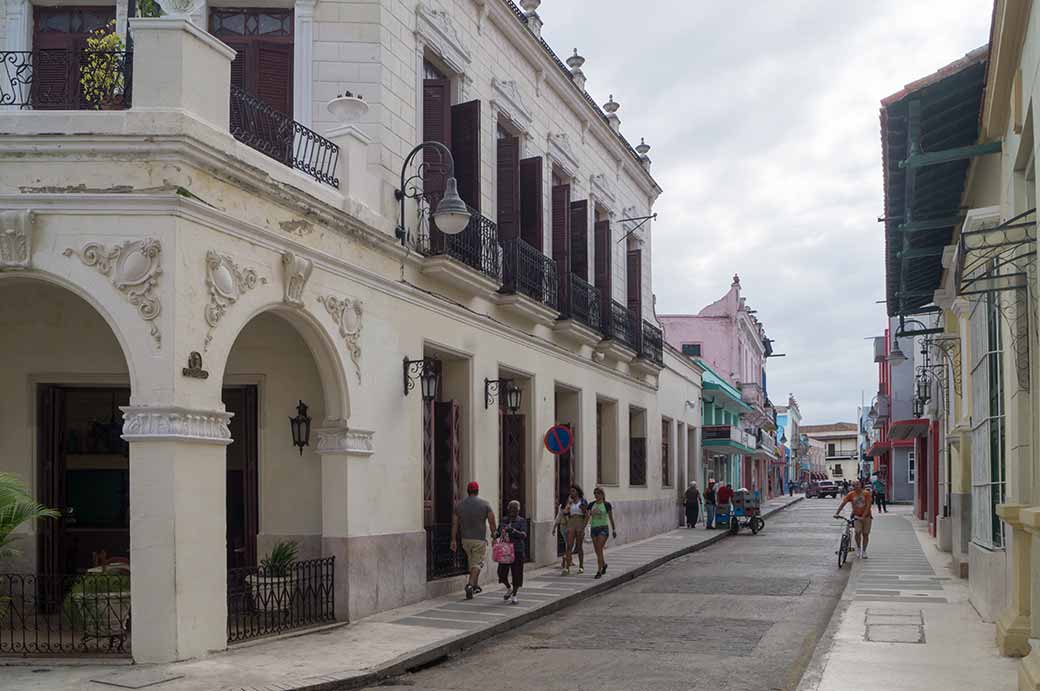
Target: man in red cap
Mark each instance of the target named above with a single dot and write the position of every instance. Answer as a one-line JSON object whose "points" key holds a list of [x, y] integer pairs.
{"points": [[471, 515]]}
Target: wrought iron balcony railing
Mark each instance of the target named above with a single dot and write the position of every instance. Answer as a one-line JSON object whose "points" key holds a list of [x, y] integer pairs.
{"points": [[527, 271], [65, 79], [652, 346], [581, 303], [476, 246], [622, 325], [261, 127]]}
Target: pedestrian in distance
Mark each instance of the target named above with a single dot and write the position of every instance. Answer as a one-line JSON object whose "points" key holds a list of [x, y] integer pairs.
{"points": [[879, 495], [860, 499], [709, 505], [575, 511], [601, 520], [471, 518], [790, 488], [693, 505], [514, 529]]}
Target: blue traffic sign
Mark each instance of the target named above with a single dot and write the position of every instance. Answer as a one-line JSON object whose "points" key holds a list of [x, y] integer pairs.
{"points": [[558, 440]]}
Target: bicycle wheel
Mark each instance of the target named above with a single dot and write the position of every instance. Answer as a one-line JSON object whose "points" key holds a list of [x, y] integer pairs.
{"points": [[757, 524], [734, 526], [843, 550]]}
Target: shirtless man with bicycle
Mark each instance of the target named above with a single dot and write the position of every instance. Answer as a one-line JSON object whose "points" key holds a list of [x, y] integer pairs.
{"points": [[861, 501]]}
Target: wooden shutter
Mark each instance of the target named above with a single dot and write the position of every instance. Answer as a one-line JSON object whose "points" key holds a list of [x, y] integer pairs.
{"points": [[465, 148], [531, 203], [274, 77], [561, 237], [239, 64], [604, 269], [59, 35], [580, 239], [635, 282], [508, 188], [437, 128]]}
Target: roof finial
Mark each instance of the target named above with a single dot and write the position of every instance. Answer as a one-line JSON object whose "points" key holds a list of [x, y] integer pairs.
{"points": [[736, 281]]}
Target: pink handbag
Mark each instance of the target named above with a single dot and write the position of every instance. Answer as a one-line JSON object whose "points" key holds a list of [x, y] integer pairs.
{"points": [[502, 551]]}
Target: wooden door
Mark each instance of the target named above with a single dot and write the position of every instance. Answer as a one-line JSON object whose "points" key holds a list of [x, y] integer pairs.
{"points": [[263, 41], [242, 492], [59, 37], [513, 465]]}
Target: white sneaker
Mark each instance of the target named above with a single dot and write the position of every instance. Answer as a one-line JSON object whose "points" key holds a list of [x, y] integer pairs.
{"points": [[513, 600], [864, 555], [859, 553]]}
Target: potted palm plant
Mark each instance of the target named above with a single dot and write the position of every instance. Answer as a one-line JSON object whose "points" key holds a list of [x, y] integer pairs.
{"points": [[271, 586], [17, 507], [102, 75]]}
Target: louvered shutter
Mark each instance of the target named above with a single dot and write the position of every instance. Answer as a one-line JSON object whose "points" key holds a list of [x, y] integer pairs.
{"points": [[604, 273], [531, 203], [239, 67], [465, 148], [274, 76], [508, 188], [436, 128], [580, 239], [561, 235], [635, 295]]}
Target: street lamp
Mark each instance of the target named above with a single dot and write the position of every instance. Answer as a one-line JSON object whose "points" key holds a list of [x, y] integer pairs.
{"points": [[427, 371], [513, 393], [451, 213], [897, 356]]}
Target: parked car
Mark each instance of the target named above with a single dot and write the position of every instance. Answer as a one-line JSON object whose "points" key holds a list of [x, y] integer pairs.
{"points": [[822, 488]]}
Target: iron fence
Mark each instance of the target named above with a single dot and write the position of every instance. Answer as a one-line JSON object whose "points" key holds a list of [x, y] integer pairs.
{"points": [[275, 134], [651, 346], [441, 562], [65, 79], [623, 326], [262, 603], [476, 246], [59, 615], [583, 301], [527, 271]]}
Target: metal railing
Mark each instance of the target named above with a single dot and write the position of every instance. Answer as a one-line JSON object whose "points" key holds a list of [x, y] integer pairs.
{"points": [[262, 603], [476, 246], [86, 614], [581, 303], [651, 346], [623, 326], [65, 79], [261, 127], [527, 271], [441, 562]]}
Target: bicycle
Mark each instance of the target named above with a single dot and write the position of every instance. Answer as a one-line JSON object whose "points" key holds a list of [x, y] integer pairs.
{"points": [[846, 540]]}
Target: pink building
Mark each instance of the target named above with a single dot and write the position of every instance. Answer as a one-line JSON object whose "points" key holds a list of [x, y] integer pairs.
{"points": [[731, 340]]}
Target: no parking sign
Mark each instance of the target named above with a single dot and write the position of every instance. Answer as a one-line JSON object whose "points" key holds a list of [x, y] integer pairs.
{"points": [[559, 440]]}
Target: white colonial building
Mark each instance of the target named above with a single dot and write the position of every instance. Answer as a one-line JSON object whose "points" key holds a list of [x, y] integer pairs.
{"points": [[193, 242]]}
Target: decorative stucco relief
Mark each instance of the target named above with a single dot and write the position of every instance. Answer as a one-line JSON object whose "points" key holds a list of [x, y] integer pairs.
{"points": [[435, 27], [171, 423], [134, 267], [561, 151], [510, 101], [297, 271], [341, 439], [16, 231], [227, 283], [347, 314]]}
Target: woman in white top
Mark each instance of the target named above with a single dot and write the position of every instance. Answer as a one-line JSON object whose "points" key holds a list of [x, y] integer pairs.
{"points": [[574, 510]]}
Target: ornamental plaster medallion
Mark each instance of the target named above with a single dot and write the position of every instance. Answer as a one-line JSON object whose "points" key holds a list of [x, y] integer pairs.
{"points": [[134, 269], [194, 368], [227, 283], [297, 271], [347, 314], [16, 230], [146, 423]]}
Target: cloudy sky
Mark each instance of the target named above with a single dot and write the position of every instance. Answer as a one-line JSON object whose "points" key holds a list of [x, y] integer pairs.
{"points": [[763, 121]]}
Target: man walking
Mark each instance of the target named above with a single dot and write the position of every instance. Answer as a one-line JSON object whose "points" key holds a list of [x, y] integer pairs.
{"points": [[709, 505], [879, 495], [693, 504], [860, 500], [471, 515]]}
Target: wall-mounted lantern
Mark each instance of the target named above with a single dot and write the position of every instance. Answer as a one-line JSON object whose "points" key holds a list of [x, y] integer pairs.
{"points": [[493, 388], [301, 427], [427, 372]]}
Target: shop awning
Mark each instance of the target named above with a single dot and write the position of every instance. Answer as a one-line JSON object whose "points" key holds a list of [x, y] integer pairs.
{"points": [[879, 448], [908, 429]]}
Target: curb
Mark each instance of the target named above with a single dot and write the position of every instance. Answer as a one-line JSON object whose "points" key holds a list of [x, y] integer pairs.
{"points": [[425, 656]]}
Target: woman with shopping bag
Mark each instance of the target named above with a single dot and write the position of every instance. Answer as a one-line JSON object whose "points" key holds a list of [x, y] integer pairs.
{"points": [[510, 550]]}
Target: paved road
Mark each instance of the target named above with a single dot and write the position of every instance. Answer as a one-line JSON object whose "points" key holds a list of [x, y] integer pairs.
{"points": [[743, 614]]}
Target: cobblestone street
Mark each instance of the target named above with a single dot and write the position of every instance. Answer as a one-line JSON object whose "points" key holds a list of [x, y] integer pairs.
{"points": [[745, 613]]}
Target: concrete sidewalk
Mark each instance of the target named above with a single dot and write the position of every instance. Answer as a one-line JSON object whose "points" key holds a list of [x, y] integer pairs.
{"points": [[380, 646], [905, 622]]}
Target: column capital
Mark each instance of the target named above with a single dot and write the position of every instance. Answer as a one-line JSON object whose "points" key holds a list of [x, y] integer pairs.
{"points": [[1010, 514], [174, 423], [1029, 519], [336, 438]]}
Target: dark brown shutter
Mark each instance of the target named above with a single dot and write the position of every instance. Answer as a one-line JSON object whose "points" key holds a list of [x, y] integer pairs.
{"points": [[531, 203], [59, 36], [436, 128], [561, 237], [580, 239], [635, 283], [274, 76], [508, 188], [604, 261], [465, 148]]}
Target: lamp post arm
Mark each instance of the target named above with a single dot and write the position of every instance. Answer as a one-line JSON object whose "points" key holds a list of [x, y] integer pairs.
{"points": [[400, 193]]}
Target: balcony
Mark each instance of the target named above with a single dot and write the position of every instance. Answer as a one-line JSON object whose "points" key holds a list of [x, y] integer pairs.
{"points": [[61, 79], [753, 394], [529, 283], [727, 439], [651, 346], [275, 134], [471, 260], [579, 312], [766, 444], [621, 328]]}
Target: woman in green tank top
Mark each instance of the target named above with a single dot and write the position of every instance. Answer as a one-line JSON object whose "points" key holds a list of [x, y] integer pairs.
{"points": [[601, 522]]}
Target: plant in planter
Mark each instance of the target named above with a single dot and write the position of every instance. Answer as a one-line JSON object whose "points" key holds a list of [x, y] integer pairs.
{"points": [[17, 506], [271, 585], [347, 107], [99, 603], [102, 76]]}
